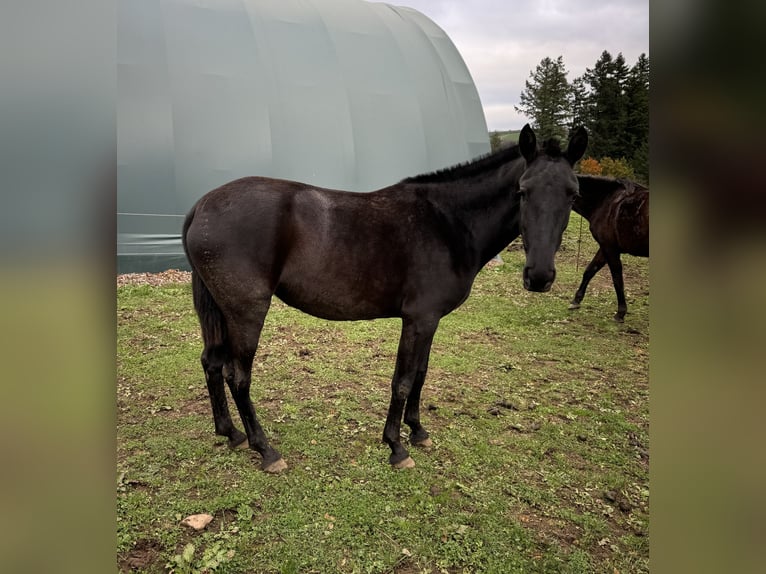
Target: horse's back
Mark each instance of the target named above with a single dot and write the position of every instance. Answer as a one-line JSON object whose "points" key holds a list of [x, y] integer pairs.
{"points": [[366, 255]]}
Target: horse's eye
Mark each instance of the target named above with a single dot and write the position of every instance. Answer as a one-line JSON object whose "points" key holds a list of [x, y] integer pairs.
{"points": [[521, 192]]}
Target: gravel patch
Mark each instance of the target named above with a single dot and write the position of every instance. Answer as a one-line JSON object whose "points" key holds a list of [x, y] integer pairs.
{"points": [[154, 279]]}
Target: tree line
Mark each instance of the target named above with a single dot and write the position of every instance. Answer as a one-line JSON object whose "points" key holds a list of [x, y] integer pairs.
{"points": [[611, 100]]}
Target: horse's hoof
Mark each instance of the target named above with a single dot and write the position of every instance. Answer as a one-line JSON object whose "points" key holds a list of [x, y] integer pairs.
{"points": [[425, 443], [573, 306], [238, 440], [406, 463], [619, 319], [275, 467]]}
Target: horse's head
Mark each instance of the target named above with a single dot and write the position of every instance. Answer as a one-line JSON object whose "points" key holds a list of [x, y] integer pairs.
{"points": [[547, 188]]}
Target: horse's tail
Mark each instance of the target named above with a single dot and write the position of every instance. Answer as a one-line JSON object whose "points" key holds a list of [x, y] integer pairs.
{"points": [[211, 319]]}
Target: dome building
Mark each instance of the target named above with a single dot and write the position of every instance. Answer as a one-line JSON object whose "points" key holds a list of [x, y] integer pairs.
{"points": [[345, 94]]}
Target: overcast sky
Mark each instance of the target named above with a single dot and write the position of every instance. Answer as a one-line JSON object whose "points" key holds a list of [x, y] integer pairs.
{"points": [[502, 41]]}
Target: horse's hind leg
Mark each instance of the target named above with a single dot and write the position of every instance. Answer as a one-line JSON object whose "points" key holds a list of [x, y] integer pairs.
{"points": [[411, 361], [244, 334], [615, 267], [212, 363], [598, 261]]}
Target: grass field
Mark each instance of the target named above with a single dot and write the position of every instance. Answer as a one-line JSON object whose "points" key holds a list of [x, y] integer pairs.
{"points": [[539, 418], [509, 137]]}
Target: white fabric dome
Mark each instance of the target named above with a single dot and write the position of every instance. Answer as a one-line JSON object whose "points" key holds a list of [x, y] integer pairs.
{"points": [[339, 93]]}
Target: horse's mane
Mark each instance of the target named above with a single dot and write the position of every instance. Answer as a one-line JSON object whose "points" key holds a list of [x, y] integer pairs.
{"points": [[471, 168], [493, 160], [602, 185]]}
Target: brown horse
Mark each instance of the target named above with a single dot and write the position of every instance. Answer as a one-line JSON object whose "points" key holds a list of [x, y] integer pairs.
{"points": [[618, 213], [410, 250]]}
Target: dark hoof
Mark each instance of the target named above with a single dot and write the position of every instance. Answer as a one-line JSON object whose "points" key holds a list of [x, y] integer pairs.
{"points": [[619, 318], [237, 438]]}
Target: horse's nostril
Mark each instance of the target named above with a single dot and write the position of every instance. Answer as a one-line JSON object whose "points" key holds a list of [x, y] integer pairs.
{"points": [[537, 280]]}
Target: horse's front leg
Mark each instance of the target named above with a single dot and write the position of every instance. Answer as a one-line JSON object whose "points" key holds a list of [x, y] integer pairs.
{"points": [[411, 364], [598, 261], [418, 435]]}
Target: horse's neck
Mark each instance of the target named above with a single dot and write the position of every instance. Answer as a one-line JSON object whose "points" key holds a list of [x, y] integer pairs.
{"points": [[584, 205], [487, 209], [593, 194], [502, 225]]}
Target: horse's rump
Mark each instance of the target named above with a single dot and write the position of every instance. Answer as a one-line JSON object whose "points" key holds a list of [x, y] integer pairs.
{"points": [[632, 223]]}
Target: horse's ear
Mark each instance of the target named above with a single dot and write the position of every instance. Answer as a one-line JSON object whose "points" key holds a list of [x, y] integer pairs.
{"points": [[528, 143], [577, 144]]}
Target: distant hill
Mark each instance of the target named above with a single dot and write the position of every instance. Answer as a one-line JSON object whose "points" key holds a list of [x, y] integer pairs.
{"points": [[506, 138], [510, 136]]}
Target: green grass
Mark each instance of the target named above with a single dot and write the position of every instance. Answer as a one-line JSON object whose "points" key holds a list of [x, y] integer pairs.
{"points": [[539, 418]]}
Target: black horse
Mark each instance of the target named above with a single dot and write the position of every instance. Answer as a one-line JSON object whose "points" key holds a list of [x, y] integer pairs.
{"points": [[618, 213], [411, 250]]}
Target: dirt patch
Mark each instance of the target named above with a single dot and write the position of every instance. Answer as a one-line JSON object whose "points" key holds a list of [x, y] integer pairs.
{"points": [[408, 566], [199, 405], [549, 530], [143, 555]]}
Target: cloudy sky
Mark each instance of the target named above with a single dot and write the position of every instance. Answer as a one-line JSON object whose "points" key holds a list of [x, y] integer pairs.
{"points": [[502, 41]]}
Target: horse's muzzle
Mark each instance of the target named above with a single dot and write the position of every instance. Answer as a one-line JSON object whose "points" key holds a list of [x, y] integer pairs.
{"points": [[538, 280]]}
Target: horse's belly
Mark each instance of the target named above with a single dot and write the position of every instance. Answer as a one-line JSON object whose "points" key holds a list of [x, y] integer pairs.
{"points": [[339, 300]]}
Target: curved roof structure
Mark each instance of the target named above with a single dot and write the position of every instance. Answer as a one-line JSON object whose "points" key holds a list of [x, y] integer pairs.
{"points": [[345, 94]]}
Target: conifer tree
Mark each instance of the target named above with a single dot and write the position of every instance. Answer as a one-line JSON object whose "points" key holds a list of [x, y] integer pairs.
{"points": [[580, 99], [611, 100], [546, 99], [637, 120], [606, 109]]}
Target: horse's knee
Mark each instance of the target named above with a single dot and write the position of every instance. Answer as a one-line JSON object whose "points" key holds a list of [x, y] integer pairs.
{"points": [[213, 357], [205, 361], [402, 389], [211, 365], [228, 373], [236, 377]]}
